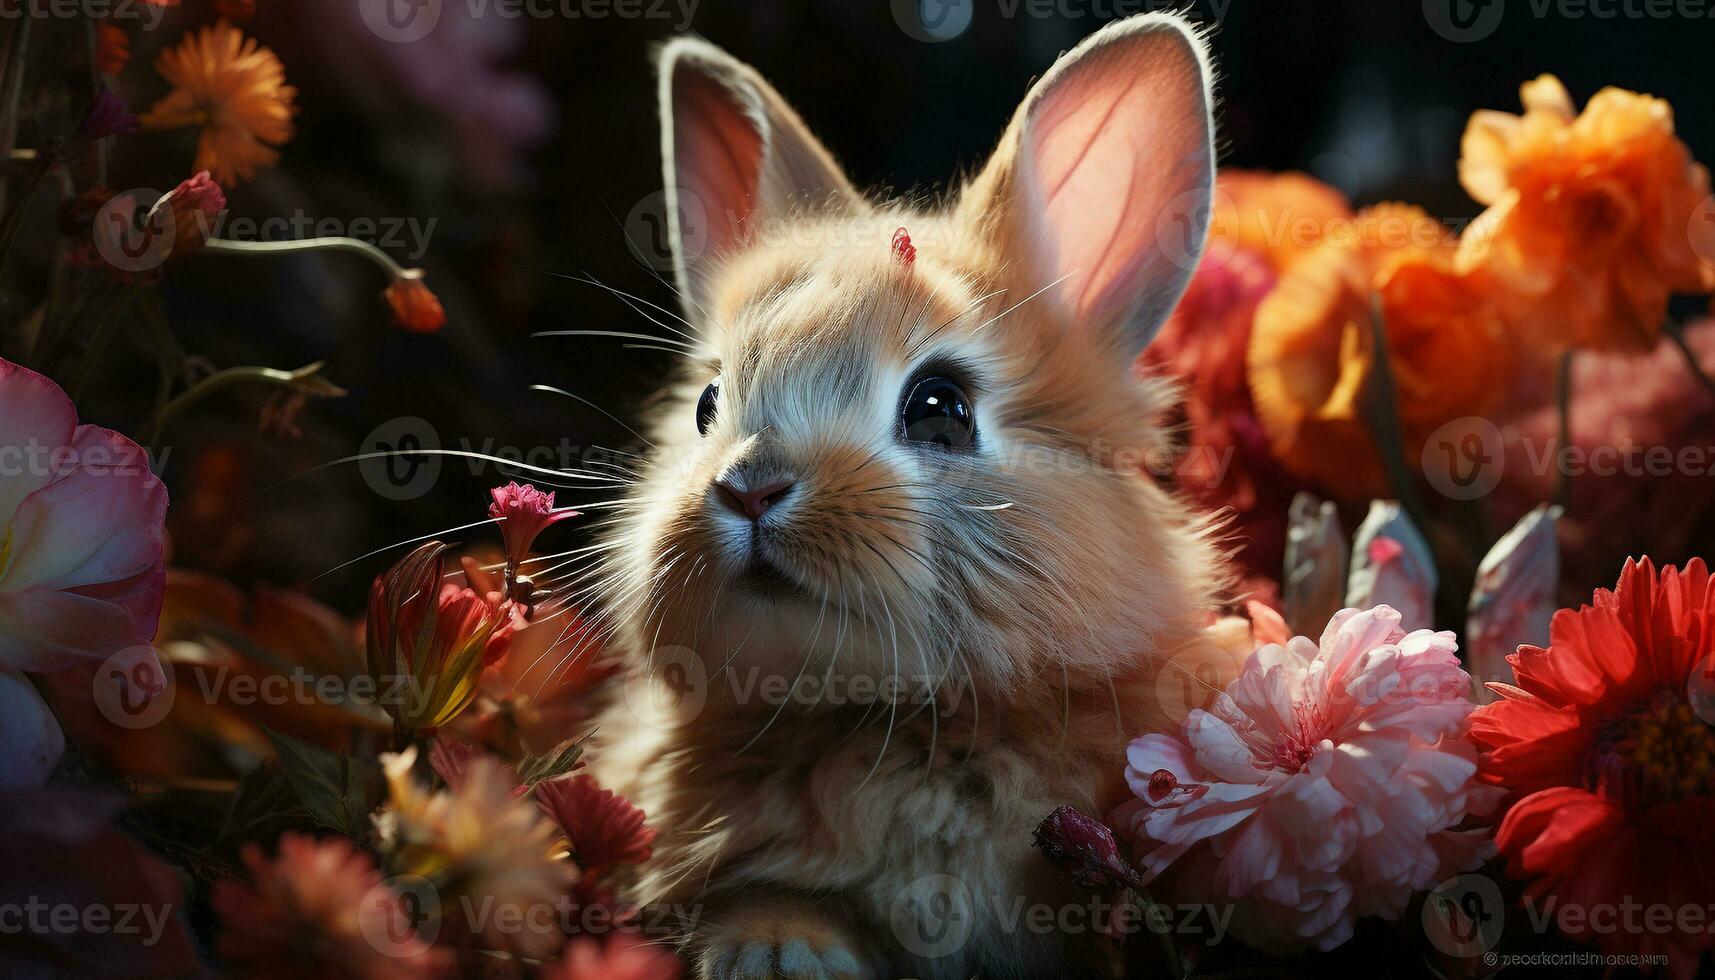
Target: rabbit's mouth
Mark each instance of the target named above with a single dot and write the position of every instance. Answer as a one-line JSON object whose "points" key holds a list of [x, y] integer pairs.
{"points": [[762, 579]]}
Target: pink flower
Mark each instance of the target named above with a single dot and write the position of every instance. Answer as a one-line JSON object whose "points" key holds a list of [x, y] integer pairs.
{"points": [[320, 909], [82, 525], [620, 956], [523, 512], [1328, 782]]}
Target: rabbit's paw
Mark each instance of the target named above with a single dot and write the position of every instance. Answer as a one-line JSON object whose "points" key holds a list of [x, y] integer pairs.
{"points": [[780, 941]]}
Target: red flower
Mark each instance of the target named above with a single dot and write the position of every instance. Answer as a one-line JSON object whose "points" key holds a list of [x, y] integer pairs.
{"points": [[1084, 848], [603, 829], [621, 956], [1606, 747], [414, 307], [430, 639]]}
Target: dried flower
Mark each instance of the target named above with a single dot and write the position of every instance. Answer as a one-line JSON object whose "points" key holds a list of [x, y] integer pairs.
{"points": [[1328, 782], [1392, 565], [429, 640], [604, 829], [414, 307], [1512, 599], [320, 908], [235, 91], [1607, 752], [1590, 221], [482, 847]]}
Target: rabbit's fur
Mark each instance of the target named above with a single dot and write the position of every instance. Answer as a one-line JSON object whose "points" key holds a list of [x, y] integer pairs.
{"points": [[1023, 592]]}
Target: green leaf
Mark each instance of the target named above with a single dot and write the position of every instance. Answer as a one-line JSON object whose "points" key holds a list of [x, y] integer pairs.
{"points": [[339, 791], [264, 796], [558, 761]]}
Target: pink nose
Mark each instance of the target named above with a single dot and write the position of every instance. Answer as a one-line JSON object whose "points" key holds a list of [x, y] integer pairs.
{"points": [[752, 503]]}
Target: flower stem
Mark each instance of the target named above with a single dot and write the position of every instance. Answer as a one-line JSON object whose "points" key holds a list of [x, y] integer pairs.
{"points": [[1676, 333], [304, 379], [222, 246], [1563, 405], [1385, 427]]}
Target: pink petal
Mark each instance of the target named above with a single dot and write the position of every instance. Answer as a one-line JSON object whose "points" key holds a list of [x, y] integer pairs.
{"points": [[32, 738], [102, 522], [36, 418], [44, 629]]}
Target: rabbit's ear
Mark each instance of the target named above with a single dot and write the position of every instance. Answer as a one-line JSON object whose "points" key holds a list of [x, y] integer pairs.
{"points": [[736, 157], [1102, 186]]}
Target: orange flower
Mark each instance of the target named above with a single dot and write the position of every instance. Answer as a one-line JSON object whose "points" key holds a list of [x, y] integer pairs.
{"points": [[1312, 352], [1590, 224], [414, 307], [112, 48], [1279, 217], [234, 89]]}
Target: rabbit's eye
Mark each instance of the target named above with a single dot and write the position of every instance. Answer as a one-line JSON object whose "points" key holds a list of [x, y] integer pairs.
{"points": [[706, 406], [937, 411]]}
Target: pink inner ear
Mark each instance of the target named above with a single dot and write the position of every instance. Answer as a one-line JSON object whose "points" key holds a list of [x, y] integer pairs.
{"points": [[1117, 168], [718, 155]]}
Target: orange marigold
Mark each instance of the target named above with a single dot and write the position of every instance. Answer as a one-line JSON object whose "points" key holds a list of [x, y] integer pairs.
{"points": [[1312, 351], [236, 91], [1593, 218]]}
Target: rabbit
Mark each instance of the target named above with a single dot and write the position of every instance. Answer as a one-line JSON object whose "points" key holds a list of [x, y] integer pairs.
{"points": [[893, 583]]}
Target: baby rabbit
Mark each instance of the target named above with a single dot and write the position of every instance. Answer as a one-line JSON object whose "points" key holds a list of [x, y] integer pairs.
{"points": [[894, 582]]}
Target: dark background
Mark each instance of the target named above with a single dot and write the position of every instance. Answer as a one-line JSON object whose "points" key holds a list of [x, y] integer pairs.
{"points": [[530, 141]]}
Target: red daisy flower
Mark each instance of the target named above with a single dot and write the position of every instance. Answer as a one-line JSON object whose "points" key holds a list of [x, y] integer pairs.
{"points": [[604, 829], [1608, 751]]}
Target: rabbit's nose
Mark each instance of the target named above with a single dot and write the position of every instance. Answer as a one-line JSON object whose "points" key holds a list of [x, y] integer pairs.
{"points": [[751, 503]]}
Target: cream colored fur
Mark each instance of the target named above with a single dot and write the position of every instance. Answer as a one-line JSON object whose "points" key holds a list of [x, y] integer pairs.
{"points": [[1040, 579]]}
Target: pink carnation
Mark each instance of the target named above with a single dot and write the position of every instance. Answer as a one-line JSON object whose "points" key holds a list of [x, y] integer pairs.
{"points": [[1328, 782]]}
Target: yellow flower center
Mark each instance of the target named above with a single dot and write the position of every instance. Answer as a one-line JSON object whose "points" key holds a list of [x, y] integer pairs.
{"points": [[1659, 752], [5, 549]]}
